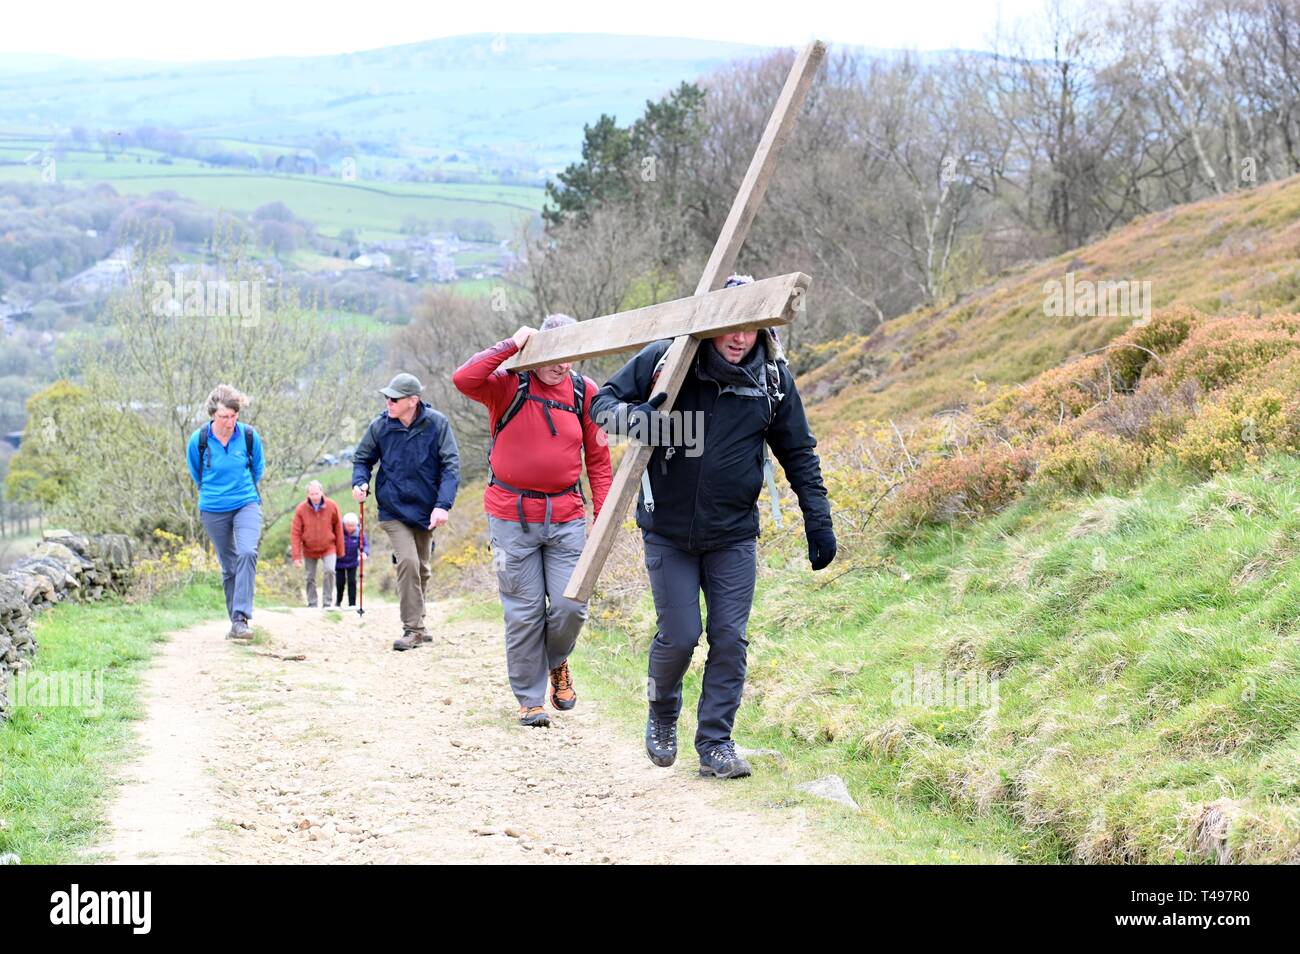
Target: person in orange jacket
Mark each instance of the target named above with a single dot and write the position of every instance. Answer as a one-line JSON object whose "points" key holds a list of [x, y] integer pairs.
{"points": [[317, 537]]}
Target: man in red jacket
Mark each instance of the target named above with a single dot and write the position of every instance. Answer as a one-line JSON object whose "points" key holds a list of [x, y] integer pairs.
{"points": [[317, 537], [542, 432]]}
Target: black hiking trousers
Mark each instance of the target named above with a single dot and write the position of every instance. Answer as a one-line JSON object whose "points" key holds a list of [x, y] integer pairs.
{"points": [[725, 575]]}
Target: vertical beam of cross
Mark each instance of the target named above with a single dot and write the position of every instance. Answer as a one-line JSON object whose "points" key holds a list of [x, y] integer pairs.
{"points": [[682, 351]]}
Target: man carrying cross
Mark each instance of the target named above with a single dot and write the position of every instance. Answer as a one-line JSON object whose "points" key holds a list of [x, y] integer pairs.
{"points": [[700, 519], [728, 322]]}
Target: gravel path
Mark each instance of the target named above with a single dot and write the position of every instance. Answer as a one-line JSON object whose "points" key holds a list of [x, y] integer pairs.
{"points": [[359, 754]]}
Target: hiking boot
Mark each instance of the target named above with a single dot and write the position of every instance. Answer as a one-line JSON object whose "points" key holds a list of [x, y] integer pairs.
{"points": [[534, 716], [409, 640], [722, 761], [423, 637], [661, 741], [240, 630], [563, 696]]}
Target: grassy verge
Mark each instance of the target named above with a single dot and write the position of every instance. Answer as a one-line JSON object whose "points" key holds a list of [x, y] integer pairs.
{"points": [[56, 762], [1146, 652]]}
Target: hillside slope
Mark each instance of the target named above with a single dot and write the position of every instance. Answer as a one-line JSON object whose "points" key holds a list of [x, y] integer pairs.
{"points": [[1231, 254]]}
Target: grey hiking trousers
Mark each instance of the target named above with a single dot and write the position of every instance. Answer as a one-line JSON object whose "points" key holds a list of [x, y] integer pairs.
{"points": [[542, 626]]}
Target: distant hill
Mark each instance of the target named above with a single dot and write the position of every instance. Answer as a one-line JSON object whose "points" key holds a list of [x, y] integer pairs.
{"points": [[512, 94]]}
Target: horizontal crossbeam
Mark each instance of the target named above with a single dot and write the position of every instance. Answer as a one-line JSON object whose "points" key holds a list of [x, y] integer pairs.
{"points": [[773, 301]]}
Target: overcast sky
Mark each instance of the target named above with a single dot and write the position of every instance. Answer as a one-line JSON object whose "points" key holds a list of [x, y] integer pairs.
{"points": [[186, 31]]}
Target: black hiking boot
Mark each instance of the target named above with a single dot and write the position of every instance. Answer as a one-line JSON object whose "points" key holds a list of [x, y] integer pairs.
{"points": [[661, 741], [534, 717], [722, 761]]}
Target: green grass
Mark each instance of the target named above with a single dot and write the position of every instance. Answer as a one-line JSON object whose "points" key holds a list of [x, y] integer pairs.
{"points": [[56, 764], [1147, 656]]}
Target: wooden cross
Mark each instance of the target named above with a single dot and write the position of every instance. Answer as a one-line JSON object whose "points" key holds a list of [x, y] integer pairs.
{"points": [[710, 312]]}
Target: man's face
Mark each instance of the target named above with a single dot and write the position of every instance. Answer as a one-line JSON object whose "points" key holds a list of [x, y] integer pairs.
{"points": [[736, 345], [401, 407], [315, 495], [553, 374]]}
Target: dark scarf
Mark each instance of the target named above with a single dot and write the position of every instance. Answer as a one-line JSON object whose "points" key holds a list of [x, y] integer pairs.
{"points": [[747, 374]]}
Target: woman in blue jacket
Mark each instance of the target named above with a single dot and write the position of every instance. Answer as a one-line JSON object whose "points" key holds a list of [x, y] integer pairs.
{"points": [[226, 463]]}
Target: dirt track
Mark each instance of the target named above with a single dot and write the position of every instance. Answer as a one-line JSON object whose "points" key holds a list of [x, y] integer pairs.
{"points": [[359, 754]]}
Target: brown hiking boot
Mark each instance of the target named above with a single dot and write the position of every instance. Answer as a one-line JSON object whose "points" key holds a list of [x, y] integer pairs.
{"points": [[409, 640], [535, 716], [563, 696]]}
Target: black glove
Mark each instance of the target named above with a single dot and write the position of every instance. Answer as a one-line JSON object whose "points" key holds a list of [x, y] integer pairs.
{"points": [[821, 548], [643, 419]]}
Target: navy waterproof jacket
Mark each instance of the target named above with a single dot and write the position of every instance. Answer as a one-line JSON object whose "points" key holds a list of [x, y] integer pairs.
{"points": [[709, 499], [419, 466]]}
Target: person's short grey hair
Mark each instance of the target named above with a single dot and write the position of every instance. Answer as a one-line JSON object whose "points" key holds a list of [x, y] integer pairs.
{"points": [[350, 519], [223, 395], [557, 321], [315, 485]]}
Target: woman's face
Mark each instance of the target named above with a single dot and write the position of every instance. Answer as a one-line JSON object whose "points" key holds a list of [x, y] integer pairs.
{"points": [[223, 422]]}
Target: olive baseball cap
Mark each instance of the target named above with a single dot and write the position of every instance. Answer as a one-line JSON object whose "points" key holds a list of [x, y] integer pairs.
{"points": [[403, 385]]}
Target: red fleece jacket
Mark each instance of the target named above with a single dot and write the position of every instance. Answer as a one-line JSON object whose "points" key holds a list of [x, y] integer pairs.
{"points": [[526, 454], [316, 532]]}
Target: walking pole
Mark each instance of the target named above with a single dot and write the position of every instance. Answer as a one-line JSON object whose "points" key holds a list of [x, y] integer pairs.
{"points": [[361, 564]]}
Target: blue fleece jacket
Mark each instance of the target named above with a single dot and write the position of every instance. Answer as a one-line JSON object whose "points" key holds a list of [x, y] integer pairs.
{"points": [[227, 483]]}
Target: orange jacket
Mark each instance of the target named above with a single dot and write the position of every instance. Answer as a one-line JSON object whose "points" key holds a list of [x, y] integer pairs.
{"points": [[316, 532]]}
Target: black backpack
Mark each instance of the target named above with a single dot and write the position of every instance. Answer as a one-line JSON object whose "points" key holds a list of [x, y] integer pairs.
{"points": [[522, 395], [204, 452]]}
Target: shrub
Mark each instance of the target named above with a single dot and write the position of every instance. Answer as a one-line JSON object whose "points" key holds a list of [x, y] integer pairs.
{"points": [[1131, 353], [1090, 463], [1153, 415], [1241, 426], [1055, 396], [948, 489], [1223, 351]]}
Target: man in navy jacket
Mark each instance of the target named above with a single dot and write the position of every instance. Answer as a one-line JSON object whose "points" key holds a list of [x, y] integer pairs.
{"points": [[419, 471], [700, 520]]}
